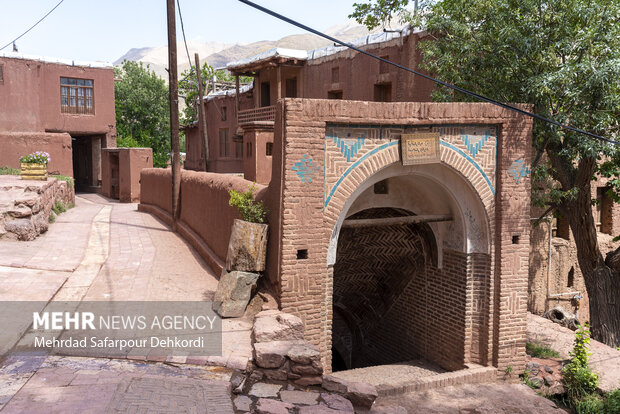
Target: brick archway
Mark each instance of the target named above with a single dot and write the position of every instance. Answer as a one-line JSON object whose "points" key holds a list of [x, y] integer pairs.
{"points": [[329, 153]]}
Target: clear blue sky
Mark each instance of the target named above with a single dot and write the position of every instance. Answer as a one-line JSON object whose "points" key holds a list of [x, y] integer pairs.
{"points": [[106, 29]]}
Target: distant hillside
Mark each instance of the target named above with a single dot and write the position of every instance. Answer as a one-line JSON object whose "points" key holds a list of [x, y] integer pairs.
{"points": [[218, 54]]}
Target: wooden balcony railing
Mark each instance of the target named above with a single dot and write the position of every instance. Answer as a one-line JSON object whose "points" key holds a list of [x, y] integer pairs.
{"points": [[266, 113]]}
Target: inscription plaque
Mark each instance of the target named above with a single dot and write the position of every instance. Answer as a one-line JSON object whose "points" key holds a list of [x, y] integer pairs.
{"points": [[420, 148]]}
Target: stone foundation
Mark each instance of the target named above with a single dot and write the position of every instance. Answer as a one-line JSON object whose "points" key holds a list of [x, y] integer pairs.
{"points": [[25, 205]]}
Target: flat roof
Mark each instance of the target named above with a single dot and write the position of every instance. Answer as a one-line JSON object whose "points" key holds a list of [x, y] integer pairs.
{"points": [[47, 59]]}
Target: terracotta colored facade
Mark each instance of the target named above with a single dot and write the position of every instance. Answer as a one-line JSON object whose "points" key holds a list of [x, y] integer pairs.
{"points": [[450, 287], [33, 118], [121, 169], [334, 75]]}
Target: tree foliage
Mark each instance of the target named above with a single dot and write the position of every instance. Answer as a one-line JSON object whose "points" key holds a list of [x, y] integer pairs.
{"points": [[561, 56], [188, 87], [142, 110]]}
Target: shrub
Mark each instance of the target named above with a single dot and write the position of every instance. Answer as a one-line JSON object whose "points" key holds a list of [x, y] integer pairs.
{"points": [[251, 210], [52, 217], [70, 181], [38, 157], [59, 207], [579, 380], [9, 171], [612, 402], [590, 404], [538, 350]]}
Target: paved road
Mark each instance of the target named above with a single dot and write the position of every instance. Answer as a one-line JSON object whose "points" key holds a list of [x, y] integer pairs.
{"points": [[106, 251]]}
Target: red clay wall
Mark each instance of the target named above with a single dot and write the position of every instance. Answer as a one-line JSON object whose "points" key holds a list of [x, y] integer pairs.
{"points": [[14, 145], [204, 206], [33, 104], [358, 74]]}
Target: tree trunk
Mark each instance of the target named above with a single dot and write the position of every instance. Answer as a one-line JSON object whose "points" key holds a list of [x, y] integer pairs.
{"points": [[602, 282]]}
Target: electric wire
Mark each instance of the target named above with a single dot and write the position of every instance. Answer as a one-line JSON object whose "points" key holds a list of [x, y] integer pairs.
{"points": [[183, 31], [31, 27], [446, 84]]}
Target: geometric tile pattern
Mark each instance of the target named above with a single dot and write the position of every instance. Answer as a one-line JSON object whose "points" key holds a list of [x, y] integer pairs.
{"points": [[518, 170], [306, 169], [346, 145]]}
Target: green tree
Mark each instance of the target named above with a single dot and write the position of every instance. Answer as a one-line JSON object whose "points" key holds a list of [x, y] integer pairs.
{"points": [[188, 87], [563, 57], [142, 110]]}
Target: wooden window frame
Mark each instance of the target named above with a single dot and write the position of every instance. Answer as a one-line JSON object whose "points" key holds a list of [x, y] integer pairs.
{"points": [[224, 143], [77, 96]]}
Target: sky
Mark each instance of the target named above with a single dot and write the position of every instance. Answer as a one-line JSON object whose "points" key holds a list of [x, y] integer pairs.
{"points": [[103, 30]]}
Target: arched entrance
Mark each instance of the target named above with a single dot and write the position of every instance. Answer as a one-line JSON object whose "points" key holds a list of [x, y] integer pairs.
{"points": [[409, 254], [376, 263]]}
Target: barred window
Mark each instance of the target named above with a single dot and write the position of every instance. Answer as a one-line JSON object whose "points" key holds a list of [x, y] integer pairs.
{"points": [[77, 96]]}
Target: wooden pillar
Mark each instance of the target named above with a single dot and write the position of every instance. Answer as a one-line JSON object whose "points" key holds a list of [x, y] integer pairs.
{"points": [[173, 85], [202, 119], [237, 105], [279, 77]]}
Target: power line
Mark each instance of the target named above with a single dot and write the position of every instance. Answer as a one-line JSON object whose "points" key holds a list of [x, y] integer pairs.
{"points": [[448, 85], [31, 27], [183, 31]]}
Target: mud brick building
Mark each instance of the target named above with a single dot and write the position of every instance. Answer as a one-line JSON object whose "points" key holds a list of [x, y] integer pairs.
{"points": [[63, 107], [241, 130]]}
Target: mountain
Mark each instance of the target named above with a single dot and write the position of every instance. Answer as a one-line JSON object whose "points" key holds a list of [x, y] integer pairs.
{"points": [[218, 54]]}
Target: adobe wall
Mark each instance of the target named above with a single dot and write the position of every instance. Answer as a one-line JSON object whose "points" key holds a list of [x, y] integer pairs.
{"points": [[257, 167], [121, 168], [214, 110], [316, 186], [17, 144], [355, 69], [206, 217], [33, 88], [564, 275]]}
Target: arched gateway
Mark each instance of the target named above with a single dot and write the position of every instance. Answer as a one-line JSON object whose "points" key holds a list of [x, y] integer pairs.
{"points": [[403, 230]]}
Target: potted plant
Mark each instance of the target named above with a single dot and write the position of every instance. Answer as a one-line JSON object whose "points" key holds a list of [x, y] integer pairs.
{"points": [[34, 166], [247, 249]]}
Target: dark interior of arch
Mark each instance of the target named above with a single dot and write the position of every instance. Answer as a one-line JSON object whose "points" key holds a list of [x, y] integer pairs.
{"points": [[375, 266]]}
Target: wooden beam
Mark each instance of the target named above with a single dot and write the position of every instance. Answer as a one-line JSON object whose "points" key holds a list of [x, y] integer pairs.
{"points": [[237, 105], [279, 82], [394, 221]]}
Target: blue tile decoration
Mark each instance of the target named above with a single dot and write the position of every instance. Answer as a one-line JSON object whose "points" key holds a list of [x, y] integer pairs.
{"points": [[349, 146], [306, 169], [474, 142], [519, 170]]}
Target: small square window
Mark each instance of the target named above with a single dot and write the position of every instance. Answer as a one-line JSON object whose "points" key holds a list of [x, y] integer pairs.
{"points": [[269, 149], [302, 254]]}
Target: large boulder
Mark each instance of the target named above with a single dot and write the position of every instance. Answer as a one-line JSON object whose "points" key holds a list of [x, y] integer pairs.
{"points": [[233, 293], [247, 249], [23, 228], [276, 326]]}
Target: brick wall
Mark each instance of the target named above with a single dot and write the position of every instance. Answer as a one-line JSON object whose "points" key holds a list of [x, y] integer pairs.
{"points": [[317, 185]]}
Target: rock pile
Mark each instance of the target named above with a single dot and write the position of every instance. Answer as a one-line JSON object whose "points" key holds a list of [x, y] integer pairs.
{"points": [[280, 351], [545, 375], [25, 205], [287, 374]]}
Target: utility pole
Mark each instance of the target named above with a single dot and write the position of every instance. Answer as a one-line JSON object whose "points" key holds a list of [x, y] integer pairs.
{"points": [[202, 120], [174, 113]]}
